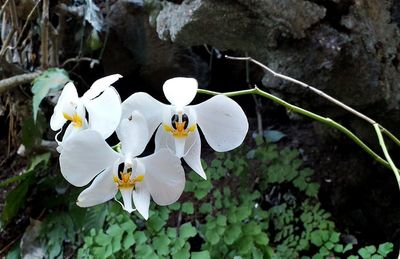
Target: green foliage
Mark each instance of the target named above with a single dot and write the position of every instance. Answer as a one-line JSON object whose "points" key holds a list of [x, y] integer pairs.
{"points": [[16, 198], [260, 203], [49, 81]]}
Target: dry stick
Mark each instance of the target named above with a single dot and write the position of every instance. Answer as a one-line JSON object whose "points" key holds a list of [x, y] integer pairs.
{"points": [[313, 89], [320, 93], [77, 59], [9, 83], [45, 35], [27, 21], [3, 7], [54, 46], [14, 21]]}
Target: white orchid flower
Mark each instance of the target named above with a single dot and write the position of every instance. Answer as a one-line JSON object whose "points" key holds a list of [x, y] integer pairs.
{"points": [[87, 156], [221, 120], [101, 102]]}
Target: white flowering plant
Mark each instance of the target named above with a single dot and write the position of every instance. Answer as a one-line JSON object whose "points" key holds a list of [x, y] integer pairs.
{"points": [[86, 157]]}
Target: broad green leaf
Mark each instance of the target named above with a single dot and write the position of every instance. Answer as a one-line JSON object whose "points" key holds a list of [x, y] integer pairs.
{"points": [[232, 233], [273, 135], [187, 230], [156, 223], [205, 208], [15, 199], [114, 230], [188, 208], [181, 254], [201, 255], [385, 248], [32, 131], [364, 253], [50, 80], [221, 220], [128, 241], [140, 237], [161, 244]]}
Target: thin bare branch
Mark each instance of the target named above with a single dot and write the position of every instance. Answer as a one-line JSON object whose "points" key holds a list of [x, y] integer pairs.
{"points": [[29, 17], [9, 83], [45, 35], [313, 89]]}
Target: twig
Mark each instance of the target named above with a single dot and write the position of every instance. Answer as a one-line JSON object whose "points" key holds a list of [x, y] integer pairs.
{"points": [[14, 28], [7, 247], [309, 114], [45, 35], [77, 59], [3, 7], [9, 83], [27, 21], [386, 153], [313, 89]]}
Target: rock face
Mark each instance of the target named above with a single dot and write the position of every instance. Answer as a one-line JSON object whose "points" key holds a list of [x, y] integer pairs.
{"points": [[347, 48]]}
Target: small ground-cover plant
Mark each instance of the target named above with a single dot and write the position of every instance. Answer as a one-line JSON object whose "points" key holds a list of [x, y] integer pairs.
{"points": [[257, 203]]}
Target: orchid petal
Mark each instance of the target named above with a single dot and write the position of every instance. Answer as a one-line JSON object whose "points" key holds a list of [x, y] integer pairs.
{"points": [[104, 112], [192, 158], [165, 177], [222, 122], [101, 190], [148, 106], [84, 156], [126, 194], [166, 140], [68, 95], [180, 91], [100, 85], [133, 134], [141, 199]]}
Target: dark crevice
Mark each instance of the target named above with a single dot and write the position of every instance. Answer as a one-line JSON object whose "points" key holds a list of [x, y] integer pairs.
{"points": [[335, 12]]}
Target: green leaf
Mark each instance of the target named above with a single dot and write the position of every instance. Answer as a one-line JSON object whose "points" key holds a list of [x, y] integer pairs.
{"points": [[201, 255], [187, 230], [212, 237], [273, 135], [232, 233], [348, 247], [140, 237], [114, 230], [243, 213], [221, 220], [205, 208], [143, 250], [32, 131], [188, 208], [316, 238], [15, 199], [161, 244], [181, 254], [364, 253], [385, 248], [50, 80], [244, 245], [156, 223], [175, 206], [128, 241], [262, 239], [102, 239], [371, 249]]}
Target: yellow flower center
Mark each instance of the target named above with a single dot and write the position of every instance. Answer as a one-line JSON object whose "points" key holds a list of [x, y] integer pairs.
{"points": [[124, 180], [179, 126], [75, 119]]}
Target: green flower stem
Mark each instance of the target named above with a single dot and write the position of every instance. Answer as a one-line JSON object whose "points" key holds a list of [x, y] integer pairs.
{"points": [[386, 153], [309, 114], [390, 135]]}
